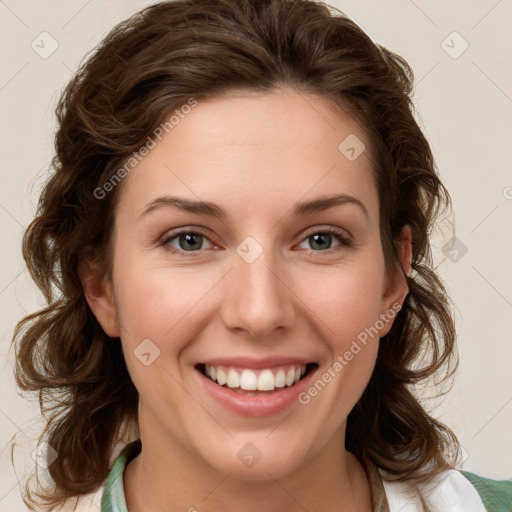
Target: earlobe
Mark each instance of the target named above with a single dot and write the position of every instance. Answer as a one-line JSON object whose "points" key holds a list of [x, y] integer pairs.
{"points": [[99, 296]]}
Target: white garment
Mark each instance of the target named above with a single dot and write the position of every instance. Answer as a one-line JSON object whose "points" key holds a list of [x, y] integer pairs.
{"points": [[450, 491]]}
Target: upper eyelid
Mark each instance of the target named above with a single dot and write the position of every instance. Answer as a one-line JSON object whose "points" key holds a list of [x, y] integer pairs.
{"points": [[329, 229]]}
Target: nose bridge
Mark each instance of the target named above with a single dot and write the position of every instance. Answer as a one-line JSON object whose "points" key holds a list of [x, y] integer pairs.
{"points": [[258, 300]]}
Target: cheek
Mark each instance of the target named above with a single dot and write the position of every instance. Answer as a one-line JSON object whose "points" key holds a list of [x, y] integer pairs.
{"points": [[345, 302], [346, 311], [164, 307], [160, 304]]}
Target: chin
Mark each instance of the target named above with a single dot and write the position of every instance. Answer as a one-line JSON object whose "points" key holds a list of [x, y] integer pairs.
{"points": [[257, 457]]}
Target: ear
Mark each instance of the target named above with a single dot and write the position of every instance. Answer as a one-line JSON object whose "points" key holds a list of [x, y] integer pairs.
{"points": [[98, 293], [396, 288]]}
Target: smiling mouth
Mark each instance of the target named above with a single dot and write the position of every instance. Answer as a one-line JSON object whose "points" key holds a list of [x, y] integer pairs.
{"points": [[262, 381]]}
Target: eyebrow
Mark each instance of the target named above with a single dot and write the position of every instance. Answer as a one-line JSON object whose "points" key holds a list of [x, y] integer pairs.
{"points": [[214, 210]]}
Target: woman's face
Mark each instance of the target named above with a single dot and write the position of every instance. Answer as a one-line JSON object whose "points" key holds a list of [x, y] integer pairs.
{"points": [[275, 277]]}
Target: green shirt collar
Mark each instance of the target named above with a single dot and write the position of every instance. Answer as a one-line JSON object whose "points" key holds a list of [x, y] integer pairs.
{"points": [[112, 499]]}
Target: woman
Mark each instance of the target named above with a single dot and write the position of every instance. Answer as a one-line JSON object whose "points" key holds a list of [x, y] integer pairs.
{"points": [[234, 247]]}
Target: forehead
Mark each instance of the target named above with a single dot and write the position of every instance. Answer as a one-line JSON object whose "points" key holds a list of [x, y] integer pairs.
{"points": [[241, 148]]}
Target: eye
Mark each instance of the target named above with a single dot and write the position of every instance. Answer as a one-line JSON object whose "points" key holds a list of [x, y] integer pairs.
{"points": [[183, 242], [187, 241], [321, 240]]}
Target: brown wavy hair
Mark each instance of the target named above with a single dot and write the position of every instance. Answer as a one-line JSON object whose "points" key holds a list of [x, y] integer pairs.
{"points": [[144, 69]]}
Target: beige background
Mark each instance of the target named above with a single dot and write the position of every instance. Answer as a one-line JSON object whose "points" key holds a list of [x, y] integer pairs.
{"points": [[464, 102]]}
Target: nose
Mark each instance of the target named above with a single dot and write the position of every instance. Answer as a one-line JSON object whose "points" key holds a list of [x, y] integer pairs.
{"points": [[258, 299]]}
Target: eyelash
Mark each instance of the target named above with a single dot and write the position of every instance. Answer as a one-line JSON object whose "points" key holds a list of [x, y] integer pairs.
{"points": [[344, 241]]}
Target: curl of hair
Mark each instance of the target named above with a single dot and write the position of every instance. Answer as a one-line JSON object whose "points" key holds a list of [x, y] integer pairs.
{"points": [[146, 68]]}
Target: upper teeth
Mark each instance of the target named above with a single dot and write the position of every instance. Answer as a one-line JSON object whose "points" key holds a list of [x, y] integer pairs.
{"points": [[252, 380]]}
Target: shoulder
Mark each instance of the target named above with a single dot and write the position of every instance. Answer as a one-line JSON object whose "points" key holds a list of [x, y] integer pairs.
{"points": [[451, 491], [496, 494]]}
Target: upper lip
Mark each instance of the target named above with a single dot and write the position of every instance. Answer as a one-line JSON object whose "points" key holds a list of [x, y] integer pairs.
{"points": [[256, 363]]}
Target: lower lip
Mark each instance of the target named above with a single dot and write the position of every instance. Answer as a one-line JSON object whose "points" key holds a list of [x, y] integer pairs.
{"points": [[271, 403]]}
